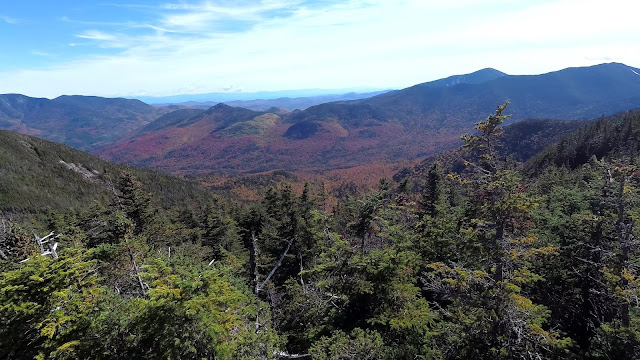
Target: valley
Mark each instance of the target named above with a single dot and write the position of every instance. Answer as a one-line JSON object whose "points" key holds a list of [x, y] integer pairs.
{"points": [[341, 143], [396, 126]]}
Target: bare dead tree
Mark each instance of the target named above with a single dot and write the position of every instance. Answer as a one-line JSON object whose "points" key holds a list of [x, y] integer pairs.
{"points": [[47, 246], [253, 258], [4, 229], [286, 356], [273, 271]]}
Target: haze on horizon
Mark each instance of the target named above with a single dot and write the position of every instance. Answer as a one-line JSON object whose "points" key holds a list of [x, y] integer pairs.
{"points": [[160, 48]]}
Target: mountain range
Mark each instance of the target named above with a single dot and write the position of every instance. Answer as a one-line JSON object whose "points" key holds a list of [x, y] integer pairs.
{"points": [[399, 125], [395, 126], [232, 95], [569, 94], [83, 122], [286, 103]]}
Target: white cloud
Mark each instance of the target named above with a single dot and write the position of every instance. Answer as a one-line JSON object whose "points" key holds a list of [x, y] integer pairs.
{"points": [[96, 35], [107, 40], [204, 47]]}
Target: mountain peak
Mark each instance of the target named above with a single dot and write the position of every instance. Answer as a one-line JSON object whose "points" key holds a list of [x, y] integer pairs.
{"points": [[489, 70], [617, 65], [604, 67], [476, 77], [221, 106]]}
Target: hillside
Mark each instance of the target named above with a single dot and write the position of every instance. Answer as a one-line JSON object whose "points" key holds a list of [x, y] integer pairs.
{"points": [[520, 142], [227, 139], [396, 126], [82, 122], [544, 144], [38, 175], [615, 137]]}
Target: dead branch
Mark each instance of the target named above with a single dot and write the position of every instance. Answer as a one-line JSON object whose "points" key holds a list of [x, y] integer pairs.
{"points": [[273, 271]]}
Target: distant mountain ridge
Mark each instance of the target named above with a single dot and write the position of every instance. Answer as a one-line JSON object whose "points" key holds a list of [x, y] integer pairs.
{"points": [[83, 122], [249, 96], [570, 94], [287, 103], [407, 124]]}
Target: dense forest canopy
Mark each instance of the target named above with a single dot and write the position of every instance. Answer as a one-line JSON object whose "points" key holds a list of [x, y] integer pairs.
{"points": [[502, 260]]}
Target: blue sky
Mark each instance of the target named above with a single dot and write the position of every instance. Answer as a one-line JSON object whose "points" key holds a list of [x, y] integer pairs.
{"points": [[146, 47]]}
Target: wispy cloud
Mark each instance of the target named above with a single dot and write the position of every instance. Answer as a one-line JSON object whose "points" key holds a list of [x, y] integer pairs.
{"points": [[235, 8], [10, 20], [42, 53], [96, 35], [131, 6], [192, 17], [98, 23], [204, 46]]}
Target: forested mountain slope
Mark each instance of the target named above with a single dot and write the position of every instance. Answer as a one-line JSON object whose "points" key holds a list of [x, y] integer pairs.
{"points": [[38, 175], [521, 141], [614, 137], [82, 122]]}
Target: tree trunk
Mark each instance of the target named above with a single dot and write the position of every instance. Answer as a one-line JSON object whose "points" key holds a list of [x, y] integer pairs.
{"points": [[273, 271], [253, 262]]}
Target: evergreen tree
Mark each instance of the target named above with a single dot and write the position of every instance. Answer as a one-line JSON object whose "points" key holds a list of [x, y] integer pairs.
{"points": [[432, 193], [47, 306]]}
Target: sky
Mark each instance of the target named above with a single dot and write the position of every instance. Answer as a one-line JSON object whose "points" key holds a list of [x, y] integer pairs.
{"points": [[135, 48]]}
